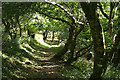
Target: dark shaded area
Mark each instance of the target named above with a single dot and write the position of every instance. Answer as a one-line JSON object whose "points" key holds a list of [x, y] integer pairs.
{"points": [[52, 42], [15, 66]]}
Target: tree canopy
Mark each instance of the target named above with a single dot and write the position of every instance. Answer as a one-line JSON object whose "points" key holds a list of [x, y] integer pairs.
{"points": [[89, 31]]}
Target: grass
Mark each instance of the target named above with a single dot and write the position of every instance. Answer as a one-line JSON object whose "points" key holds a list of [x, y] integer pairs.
{"points": [[57, 49], [50, 42], [18, 58], [22, 58]]}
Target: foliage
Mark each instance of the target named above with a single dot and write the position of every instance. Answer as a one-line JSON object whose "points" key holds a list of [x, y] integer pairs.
{"points": [[16, 54], [79, 70], [63, 20]]}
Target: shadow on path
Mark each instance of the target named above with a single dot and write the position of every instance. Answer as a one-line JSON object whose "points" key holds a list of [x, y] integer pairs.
{"points": [[31, 60]]}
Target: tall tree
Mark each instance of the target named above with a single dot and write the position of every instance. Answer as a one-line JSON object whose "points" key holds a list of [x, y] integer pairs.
{"points": [[69, 17], [100, 58]]}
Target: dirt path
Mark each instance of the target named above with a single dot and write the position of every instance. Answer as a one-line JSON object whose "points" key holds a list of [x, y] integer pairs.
{"points": [[47, 68], [31, 60], [44, 67]]}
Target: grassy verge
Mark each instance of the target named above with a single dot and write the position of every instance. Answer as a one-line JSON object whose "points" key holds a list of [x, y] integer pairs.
{"points": [[56, 49], [20, 56]]}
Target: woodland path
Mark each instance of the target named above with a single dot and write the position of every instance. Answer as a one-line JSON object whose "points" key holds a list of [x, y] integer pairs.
{"points": [[31, 60], [45, 67]]}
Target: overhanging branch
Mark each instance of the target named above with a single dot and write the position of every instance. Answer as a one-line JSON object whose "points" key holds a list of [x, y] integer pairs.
{"points": [[53, 17], [101, 9], [112, 50], [81, 28], [84, 49], [65, 10], [87, 47], [117, 4]]}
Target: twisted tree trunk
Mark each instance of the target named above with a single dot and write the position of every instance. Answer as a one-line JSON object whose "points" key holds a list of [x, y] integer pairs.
{"points": [[59, 55], [96, 31]]}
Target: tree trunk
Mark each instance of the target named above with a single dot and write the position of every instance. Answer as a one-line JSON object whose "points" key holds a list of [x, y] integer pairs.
{"points": [[116, 58], [29, 33], [111, 24], [19, 25], [96, 31], [53, 35], [33, 35], [66, 47], [72, 47], [45, 34], [7, 27], [20, 32], [70, 44]]}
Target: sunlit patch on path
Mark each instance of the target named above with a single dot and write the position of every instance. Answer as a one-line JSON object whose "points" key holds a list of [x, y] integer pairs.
{"points": [[45, 68], [39, 38], [32, 60]]}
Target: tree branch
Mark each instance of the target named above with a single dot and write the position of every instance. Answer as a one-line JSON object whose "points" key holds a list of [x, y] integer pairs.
{"points": [[66, 4], [111, 22], [117, 4], [82, 27], [112, 50], [111, 10], [65, 10], [53, 17], [3, 21], [101, 9], [77, 56], [84, 48]]}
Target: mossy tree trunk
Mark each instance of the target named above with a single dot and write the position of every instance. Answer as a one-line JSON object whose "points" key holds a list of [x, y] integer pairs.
{"points": [[19, 26], [7, 27], [96, 31], [73, 45], [70, 44], [28, 32], [59, 55], [45, 33], [53, 35]]}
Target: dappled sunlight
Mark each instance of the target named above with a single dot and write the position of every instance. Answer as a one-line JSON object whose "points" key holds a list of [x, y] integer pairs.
{"points": [[5, 56], [44, 52], [51, 72], [33, 51], [44, 58], [57, 40], [39, 38], [26, 45], [50, 66], [31, 60]]}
